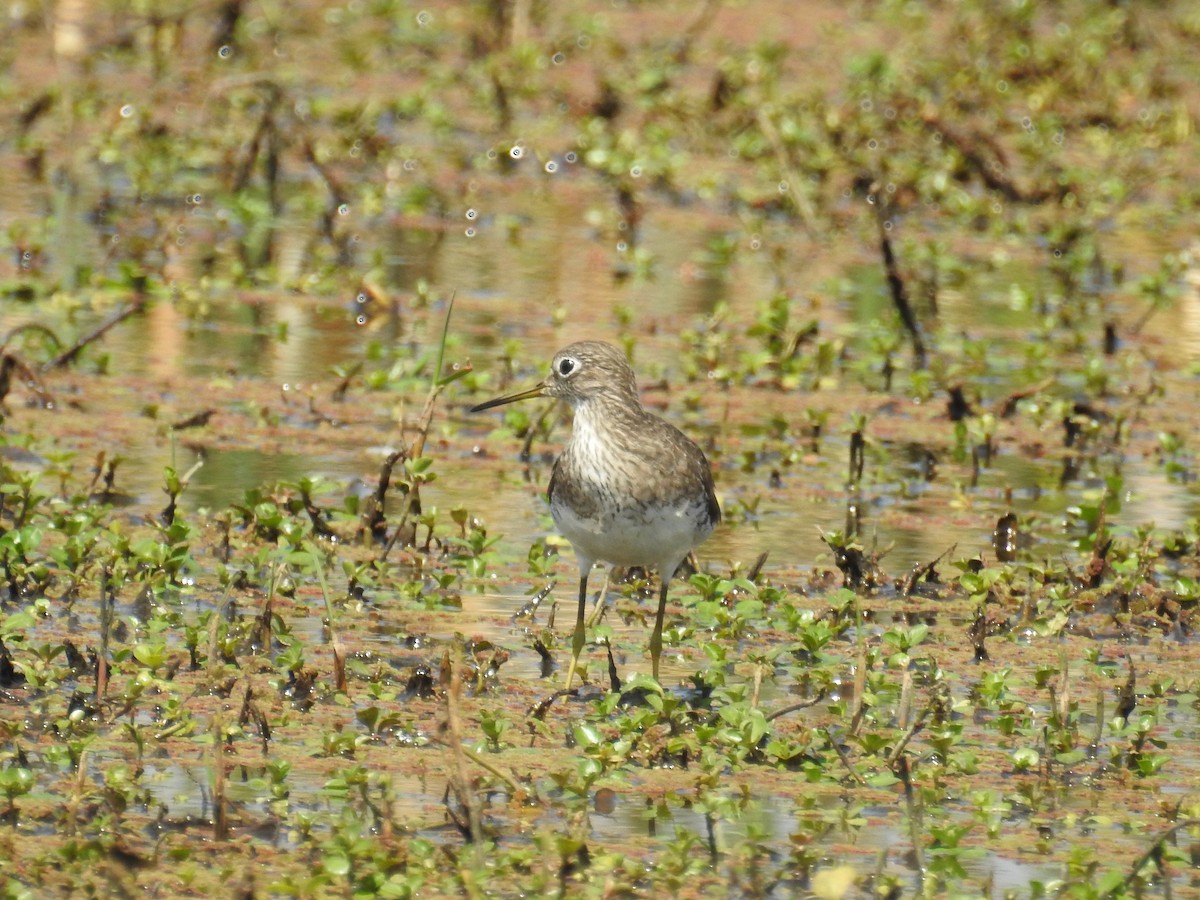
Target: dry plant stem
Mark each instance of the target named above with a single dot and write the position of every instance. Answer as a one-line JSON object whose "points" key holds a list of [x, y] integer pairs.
{"points": [[106, 614], [756, 569], [214, 623], [11, 365], [372, 517], [414, 451], [265, 634], [339, 652], [220, 813], [795, 707], [68, 356], [535, 430], [508, 778], [338, 394], [837, 748], [905, 705], [461, 778], [598, 609], [77, 795], [757, 689], [896, 286], [30, 326], [914, 821], [1064, 690], [1154, 848], [213, 632], [909, 734], [920, 572], [860, 685], [613, 678], [1009, 405], [800, 203], [696, 28]]}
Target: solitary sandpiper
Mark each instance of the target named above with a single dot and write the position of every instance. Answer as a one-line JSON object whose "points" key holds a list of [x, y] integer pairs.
{"points": [[629, 489]]}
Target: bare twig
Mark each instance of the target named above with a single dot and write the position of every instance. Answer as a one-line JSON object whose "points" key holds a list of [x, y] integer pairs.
{"points": [[896, 283], [1154, 849], [460, 777], [68, 356], [795, 707], [837, 748]]}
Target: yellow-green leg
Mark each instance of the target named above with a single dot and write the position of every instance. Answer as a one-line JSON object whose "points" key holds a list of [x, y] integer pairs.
{"points": [[578, 639], [656, 635]]}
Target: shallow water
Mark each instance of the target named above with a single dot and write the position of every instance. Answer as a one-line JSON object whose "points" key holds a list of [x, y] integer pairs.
{"points": [[533, 260]]}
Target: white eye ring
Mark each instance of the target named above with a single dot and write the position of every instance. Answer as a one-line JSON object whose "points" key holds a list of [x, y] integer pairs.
{"points": [[567, 366]]}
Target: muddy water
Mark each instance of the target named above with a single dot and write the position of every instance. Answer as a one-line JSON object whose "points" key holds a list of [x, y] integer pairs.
{"points": [[265, 361], [553, 282]]}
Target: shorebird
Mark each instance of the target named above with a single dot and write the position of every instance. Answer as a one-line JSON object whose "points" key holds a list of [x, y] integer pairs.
{"points": [[629, 488]]}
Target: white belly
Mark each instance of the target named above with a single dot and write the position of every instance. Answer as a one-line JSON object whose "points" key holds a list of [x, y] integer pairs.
{"points": [[652, 537]]}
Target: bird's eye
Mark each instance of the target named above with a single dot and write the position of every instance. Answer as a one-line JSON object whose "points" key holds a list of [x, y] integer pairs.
{"points": [[566, 366]]}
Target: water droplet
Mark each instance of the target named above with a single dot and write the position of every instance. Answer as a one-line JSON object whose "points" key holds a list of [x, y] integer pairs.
{"points": [[570, 157], [887, 225], [225, 52], [755, 243], [492, 154], [891, 187], [551, 166], [622, 246], [360, 319], [866, 105], [1058, 137], [1002, 85], [1057, 253], [583, 41], [344, 209], [783, 187], [872, 144], [361, 298], [471, 214], [126, 111], [517, 152], [635, 171], [937, 137], [470, 232], [558, 58], [410, 165], [424, 18]]}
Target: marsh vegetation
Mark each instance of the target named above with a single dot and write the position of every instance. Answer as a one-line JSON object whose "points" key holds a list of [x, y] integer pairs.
{"points": [[281, 619]]}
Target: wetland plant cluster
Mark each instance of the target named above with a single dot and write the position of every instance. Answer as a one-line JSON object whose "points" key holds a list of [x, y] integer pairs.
{"points": [[295, 692]]}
